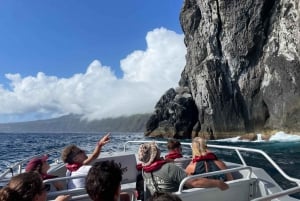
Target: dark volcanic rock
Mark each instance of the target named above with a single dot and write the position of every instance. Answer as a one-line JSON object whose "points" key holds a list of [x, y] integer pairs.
{"points": [[175, 115], [242, 69]]}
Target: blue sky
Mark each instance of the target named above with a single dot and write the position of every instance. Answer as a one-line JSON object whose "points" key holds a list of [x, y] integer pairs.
{"points": [[95, 58]]}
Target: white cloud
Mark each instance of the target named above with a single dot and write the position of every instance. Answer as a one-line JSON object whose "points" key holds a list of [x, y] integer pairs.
{"points": [[98, 93]]}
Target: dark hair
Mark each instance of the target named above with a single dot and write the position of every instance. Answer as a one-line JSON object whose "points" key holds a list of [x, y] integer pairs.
{"points": [[22, 187], [173, 144], [69, 152], [7, 194], [103, 180], [164, 196]]}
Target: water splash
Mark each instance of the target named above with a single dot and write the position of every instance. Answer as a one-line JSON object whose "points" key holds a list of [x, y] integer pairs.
{"points": [[283, 137], [277, 137]]}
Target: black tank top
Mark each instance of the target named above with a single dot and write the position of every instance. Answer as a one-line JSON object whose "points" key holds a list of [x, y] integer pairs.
{"points": [[211, 166]]}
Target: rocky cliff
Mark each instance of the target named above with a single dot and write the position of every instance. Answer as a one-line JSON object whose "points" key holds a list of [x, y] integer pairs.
{"points": [[242, 72]]}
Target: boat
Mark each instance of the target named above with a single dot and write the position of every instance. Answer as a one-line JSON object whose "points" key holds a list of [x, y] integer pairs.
{"points": [[250, 183]]}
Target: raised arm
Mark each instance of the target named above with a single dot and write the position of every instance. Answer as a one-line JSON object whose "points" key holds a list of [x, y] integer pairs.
{"points": [[104, 140]]}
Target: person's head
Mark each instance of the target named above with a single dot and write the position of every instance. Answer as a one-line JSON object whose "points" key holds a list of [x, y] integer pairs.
{"points": [[174, 145], [164, 196], [103, 182], [148, 153], [199, 147], [26, 186], [7, 194], [73, 154], [38, 164]]}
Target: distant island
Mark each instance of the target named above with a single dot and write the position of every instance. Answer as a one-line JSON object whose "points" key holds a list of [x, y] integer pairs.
{"points": [[75, 123]]}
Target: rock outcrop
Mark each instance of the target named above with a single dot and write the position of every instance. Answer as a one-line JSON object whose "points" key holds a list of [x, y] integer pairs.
{"points": [[175, 115], [242, 71]]}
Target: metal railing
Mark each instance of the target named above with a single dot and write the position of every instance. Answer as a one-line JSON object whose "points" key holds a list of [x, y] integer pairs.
{"points": [[236, 149], [17, 168], [264, 154]]}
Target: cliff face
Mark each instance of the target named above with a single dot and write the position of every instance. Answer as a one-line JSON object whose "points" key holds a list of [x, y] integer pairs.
{"points": [[242, 68]]}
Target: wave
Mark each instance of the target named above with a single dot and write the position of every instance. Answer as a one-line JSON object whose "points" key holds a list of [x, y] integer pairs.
{"points": [[277, 137], [281, 136]]}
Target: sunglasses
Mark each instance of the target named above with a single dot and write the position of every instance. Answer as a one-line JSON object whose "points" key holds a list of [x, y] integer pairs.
{"points": [[74, 154], [46, 187]]}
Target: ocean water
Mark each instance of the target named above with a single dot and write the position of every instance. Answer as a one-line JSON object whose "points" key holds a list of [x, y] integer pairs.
{"points": [[283, 148], [17, 146]]}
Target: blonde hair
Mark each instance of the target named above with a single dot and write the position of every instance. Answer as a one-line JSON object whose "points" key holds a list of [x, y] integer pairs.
{"points": [[199, 147]]}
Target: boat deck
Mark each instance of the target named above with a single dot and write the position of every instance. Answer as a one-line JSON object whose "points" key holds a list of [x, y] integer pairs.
{"points": [[250, 183]]}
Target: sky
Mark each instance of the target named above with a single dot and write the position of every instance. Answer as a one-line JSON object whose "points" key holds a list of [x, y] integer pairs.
{"points": [[94, 58]]}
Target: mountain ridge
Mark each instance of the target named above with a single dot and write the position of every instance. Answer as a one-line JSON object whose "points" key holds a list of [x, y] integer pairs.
{"points": [[75, 123]]}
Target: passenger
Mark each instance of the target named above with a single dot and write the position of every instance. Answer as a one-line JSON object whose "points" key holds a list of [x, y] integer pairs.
{"points": [[164, 196], [174, 150], [205, 161], [175, 154], [161, 176], [103, 182], [78, 163], [41, 166], [27, 186]]}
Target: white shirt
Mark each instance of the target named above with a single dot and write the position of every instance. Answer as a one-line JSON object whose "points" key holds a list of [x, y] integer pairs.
{"points": [[80, 182]]}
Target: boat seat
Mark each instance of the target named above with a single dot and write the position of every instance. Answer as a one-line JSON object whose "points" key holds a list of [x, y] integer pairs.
{"points": [[240, 189], [128, 161]]}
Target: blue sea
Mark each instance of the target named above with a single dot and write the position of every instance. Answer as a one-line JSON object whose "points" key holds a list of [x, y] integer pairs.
{"points": [[283, 148]]}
